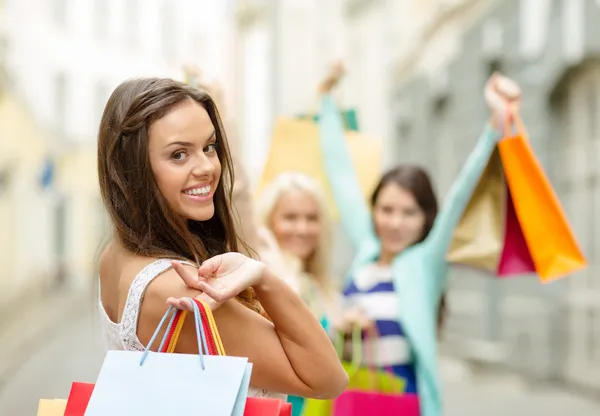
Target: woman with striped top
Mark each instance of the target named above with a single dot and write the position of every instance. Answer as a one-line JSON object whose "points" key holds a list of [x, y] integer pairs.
{"points": [[397, 281]]}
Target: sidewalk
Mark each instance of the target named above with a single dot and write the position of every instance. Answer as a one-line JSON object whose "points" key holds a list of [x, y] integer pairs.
{"points": [[490, 393], [25, 327]]}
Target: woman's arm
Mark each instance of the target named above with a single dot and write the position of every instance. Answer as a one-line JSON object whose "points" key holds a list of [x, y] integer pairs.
{"points": [[460, 192], [502, 96], [344, 185], [292, 355]]}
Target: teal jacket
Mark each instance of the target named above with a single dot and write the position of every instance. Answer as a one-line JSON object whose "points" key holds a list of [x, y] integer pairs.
{"points": [[420, 272]]}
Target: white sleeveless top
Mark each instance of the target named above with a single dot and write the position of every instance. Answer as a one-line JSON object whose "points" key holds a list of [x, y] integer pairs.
{"points": [[123, 335]]}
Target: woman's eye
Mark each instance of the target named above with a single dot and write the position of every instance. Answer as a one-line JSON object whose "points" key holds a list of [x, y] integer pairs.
{"points": [[180, 155], [210, 148]]}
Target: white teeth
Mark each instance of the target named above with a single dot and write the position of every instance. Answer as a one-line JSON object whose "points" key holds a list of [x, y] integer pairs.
{"points": [[204, 191]]}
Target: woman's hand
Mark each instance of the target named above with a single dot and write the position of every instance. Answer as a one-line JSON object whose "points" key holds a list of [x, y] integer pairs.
{"points": [[333, 78], [352, 318], [501, 95], [220, 278]]}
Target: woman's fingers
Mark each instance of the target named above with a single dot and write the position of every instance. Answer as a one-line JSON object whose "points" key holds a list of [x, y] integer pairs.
{"points": [[216, 290], [181, 303], [189, 278]]}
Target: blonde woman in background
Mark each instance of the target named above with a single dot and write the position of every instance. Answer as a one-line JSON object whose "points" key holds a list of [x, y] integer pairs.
{"points": [[295, 239]]}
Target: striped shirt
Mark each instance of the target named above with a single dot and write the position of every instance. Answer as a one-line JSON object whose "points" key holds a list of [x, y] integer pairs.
{"points": [[372, 289]]}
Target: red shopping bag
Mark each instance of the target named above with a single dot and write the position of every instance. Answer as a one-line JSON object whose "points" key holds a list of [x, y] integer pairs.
{"points": [[515, 258], [267, 407], [78, 398], [359, 403]]}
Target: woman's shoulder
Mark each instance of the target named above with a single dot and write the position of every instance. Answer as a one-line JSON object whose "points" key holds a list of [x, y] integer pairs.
{"points": [[121, 268]]}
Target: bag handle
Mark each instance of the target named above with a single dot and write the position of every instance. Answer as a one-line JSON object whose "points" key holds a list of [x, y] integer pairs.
{"points": [[513, 118], [213, 338], [200, 333], [357, 353], [214, 331]]}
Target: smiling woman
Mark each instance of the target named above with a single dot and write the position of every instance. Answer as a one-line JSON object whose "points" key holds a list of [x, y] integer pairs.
{"points": [[165, 177]]}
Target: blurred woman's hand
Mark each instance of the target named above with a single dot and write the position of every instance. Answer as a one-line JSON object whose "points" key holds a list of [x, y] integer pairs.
{"points": [[353, 318], [501, 95]]}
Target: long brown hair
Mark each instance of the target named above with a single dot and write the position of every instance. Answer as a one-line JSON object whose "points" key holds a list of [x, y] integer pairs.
{"points": [[142, 219], [415, 180]]}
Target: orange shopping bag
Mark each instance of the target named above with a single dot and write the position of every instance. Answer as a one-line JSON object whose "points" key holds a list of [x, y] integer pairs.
{"points": [[549, 236]]}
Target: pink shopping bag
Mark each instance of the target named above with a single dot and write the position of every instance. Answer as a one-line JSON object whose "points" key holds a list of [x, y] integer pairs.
{"points": [[515, 258], [360, 403]]}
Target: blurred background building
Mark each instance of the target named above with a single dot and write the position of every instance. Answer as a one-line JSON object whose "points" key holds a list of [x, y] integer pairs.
{"points": [[416, 70]]}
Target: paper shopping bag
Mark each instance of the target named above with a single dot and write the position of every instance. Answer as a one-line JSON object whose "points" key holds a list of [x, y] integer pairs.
{"points": [[247, 405], [51, 407], [295, 146], [478, 239], [516, 257], [267, 407], [150, 383], [359, 403], [489, 235], [548, 234], [79, 398]]}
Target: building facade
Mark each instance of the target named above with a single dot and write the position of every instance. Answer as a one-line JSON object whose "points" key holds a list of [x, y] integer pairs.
{"points": [[551, 48]]}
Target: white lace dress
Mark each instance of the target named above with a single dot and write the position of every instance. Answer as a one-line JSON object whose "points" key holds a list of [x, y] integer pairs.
{"points": [[123, 335]]}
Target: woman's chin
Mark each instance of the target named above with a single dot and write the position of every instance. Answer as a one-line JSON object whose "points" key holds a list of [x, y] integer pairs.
{"points": [[204, 214]]}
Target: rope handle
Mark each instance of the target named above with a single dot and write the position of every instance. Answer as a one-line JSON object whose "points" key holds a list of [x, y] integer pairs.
{"points": [[200, 332], [213, 337]]}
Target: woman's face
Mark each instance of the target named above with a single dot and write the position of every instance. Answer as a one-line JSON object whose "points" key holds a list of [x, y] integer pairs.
{"points": [[296, 223], [183, 156], [399, 221]]}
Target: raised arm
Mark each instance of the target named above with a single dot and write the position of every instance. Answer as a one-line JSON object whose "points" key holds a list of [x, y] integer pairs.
{"points": [[459, 194], [354, 212], [292, 355], [500, 93]]}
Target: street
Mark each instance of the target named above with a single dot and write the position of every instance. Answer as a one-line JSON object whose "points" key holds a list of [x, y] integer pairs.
{"points": [[75, 352]]}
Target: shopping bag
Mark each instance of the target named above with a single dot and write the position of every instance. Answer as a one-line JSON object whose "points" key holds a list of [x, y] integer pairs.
{"points": [[79, 398], [478, 239], [494, 235], [488, 235], [252, 405], [516, 258], [155, 383], [359, 403], [548, 234], [295, 146], [51, 407], [267, 407], [361, 378]]}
